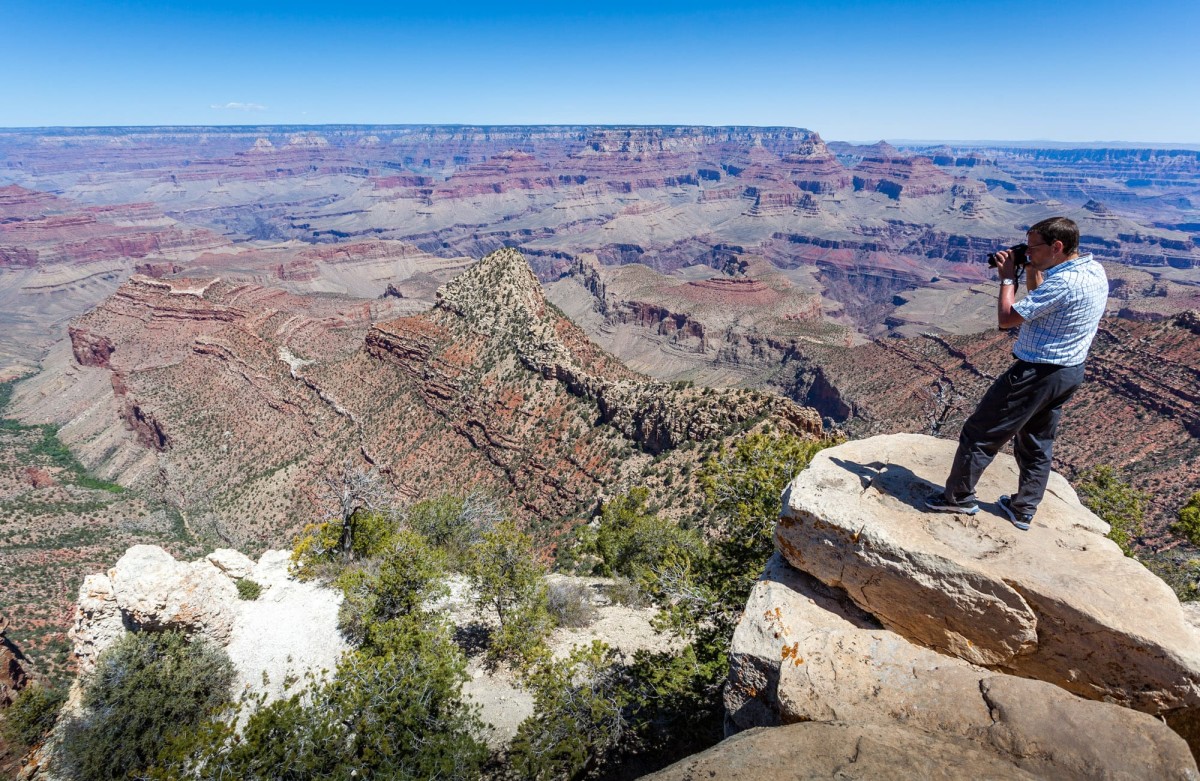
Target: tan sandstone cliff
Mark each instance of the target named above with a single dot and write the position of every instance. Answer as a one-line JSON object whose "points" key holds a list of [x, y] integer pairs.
{"points": [[901, 643]]}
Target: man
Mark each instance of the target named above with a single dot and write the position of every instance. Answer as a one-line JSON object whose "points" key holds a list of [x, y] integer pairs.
{"points": [[1058, 319]]}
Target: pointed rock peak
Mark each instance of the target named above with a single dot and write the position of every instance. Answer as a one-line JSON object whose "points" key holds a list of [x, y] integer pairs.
{"points": [[883, 149], [1095, 207], [498, 289]]}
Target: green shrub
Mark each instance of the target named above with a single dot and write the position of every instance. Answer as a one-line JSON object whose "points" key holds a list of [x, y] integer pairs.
{"points": [[510, 582], [630, 540], [453, 524], [145, 688], [392, 711], [579, 715], [323, 549], [403, 580], [1119, 505], [32, 715], [248, 589], [1188, 525]]}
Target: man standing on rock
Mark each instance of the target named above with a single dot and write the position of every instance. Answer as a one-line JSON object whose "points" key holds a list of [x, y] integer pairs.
{"points": [[1058, 319]]}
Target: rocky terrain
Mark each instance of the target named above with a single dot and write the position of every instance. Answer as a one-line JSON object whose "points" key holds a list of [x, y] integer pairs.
{"points": [[230, 401], [951, 646], [879, 225], [290, 631]]}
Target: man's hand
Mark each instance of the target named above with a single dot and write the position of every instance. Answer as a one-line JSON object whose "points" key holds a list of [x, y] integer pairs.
{"points": [[1006, 316], [1005, 265]]}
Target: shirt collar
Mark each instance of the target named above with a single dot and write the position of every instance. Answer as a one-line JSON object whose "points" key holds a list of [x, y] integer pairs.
{"points": [[1072, 263]]}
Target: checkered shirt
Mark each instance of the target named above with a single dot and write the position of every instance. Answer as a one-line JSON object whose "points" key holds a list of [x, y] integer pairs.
{"points": [[1063, 313]]}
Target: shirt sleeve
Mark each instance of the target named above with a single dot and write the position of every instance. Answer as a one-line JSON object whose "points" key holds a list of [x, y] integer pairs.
{"points": [[1046, 299]]}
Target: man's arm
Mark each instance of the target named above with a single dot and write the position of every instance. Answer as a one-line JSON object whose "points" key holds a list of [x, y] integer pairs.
{"points": [[1006, 316], [1033, 278]]}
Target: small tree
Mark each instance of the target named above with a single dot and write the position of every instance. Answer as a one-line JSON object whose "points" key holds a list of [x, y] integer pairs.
{"points": [[579, 715], [401, 581], [631, 542], [454, 524], [1118, 504], [510, 582], [31, 715], [1188, 525]]}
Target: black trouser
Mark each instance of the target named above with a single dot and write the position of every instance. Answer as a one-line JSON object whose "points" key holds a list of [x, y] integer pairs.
{"points": [[1025, 402]]}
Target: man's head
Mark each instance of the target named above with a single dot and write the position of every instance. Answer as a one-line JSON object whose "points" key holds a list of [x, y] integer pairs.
{"points": [[1052, 241]]}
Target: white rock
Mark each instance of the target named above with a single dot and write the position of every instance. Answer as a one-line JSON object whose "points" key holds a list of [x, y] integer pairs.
{"points": [[98, 623], [235, 564], [288, 633], [154, 591]]}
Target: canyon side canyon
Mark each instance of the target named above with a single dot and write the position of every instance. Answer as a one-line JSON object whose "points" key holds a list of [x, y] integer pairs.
{"points": [[211, 319]]}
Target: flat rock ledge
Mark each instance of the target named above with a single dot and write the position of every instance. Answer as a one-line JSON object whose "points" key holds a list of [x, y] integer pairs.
{"points": [[1048, 651]]}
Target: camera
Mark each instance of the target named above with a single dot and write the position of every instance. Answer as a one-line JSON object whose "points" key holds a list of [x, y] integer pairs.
{"points": [[1020, 256]]}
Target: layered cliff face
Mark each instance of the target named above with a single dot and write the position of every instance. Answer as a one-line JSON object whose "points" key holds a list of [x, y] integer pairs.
{"points": [[230, 400], [884, 223], [58, 258]]}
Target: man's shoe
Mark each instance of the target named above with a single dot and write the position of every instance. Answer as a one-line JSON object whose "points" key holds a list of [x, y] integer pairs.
{"points": [[939, 503], [1020, 520]]}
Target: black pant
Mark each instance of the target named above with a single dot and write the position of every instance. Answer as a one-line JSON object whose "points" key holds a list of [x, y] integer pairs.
{"points": [[1026, 402]]}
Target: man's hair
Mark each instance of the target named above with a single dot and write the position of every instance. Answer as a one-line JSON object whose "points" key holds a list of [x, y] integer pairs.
{"points": [[1058, 229]]}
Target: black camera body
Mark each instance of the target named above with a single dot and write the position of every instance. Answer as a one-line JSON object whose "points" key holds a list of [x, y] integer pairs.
{"points": [[1020, 256]]}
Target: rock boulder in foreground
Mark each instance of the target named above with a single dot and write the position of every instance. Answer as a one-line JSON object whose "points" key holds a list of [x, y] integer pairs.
{"points": [[956, 646], [1058, 603], [803, 652]]}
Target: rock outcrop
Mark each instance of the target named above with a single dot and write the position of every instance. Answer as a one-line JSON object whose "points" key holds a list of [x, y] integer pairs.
{"points": [[14, 672], [289, 631], [1024, 644]]}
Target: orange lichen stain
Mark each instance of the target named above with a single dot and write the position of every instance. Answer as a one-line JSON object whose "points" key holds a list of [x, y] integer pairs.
{"points": [[775, 616], [793, 652]]}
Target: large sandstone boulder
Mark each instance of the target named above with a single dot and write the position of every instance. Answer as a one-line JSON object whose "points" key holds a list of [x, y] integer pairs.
{"points": [[1058, 603], [846, 752], [804, 653], [154, 591]]}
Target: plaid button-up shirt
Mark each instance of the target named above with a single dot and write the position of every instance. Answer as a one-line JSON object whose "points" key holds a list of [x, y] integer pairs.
{"points": [[1063, 313]]}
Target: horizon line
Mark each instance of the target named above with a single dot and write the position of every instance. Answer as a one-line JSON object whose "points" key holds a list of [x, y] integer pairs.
{"points": [[1189, 145]]}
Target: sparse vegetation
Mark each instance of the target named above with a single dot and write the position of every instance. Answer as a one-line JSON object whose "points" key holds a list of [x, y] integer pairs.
{"points": [[31, 716], [570, 604], [1118, 504]]}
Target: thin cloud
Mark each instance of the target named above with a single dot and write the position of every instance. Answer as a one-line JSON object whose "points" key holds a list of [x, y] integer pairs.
{"points": [[234, 106]]}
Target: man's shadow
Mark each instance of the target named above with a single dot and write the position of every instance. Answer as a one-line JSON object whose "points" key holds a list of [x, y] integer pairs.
{"points": [[900, 483]]}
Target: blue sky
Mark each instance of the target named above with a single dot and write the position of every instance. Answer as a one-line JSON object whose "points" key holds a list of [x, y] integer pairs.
{"points": [[1073, 70]]}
